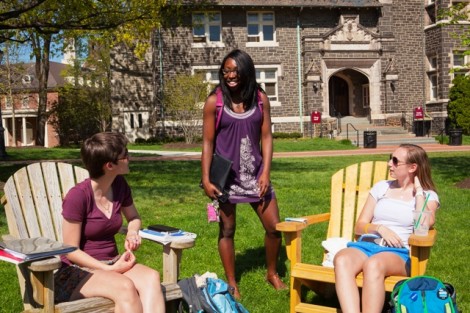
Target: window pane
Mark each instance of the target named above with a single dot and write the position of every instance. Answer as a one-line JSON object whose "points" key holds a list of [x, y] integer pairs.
{"points": [[198, 30], [270, 89], [252, 18], [258, 74], [268, 32], [214, 33], [214, 75], [253, 30], [268, 17], [270, 74], [458, 60]]}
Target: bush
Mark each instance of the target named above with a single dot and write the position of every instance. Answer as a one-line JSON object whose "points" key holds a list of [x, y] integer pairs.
{"points": [[458, 109], [278, 135]]}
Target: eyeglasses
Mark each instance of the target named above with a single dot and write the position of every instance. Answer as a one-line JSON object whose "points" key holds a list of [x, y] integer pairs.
{"points": [[227, 72], [395, 161], [125, 157]]}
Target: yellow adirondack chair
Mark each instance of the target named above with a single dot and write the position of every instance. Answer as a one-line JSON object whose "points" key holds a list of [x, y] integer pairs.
{"points": [[33, 205], [349, 190]]}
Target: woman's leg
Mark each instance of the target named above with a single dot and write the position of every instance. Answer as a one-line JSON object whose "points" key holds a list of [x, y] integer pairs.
{"points": [[147, 283], [268, 214], [348, 263], [376, 268], [117, 287], [227, 227]]}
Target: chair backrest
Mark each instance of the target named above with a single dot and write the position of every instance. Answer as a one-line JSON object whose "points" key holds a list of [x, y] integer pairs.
{"points": [[349, 190], [34, 198]]}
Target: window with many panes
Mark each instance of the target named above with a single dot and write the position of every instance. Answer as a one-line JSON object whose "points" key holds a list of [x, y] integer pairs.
{"points": [[210, 73], [207, 27], [267, 77], [460, 63], [260, 28]]}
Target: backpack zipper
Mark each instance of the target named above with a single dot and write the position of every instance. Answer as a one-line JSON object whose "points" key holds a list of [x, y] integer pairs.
{"points": [[423, 298]]}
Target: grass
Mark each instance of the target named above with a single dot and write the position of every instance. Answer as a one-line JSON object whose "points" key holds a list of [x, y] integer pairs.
{"points": [[167, 192]]}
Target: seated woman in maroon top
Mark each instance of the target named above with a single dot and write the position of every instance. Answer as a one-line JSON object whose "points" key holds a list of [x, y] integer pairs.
{"points": [[93, 212]]}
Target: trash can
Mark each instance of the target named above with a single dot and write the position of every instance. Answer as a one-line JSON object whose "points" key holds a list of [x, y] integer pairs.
{"points": [[455, 137], [370, 139], [419, 128]]}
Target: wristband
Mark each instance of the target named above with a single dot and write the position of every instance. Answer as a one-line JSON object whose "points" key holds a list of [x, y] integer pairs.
{"points": [[419, 193]]}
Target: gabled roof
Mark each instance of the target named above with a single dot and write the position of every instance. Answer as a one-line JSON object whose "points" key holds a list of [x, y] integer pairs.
{"points": [[24, 75]]}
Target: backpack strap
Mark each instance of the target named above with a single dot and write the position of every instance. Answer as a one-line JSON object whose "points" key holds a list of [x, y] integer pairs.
{"points": [[219, 106]]}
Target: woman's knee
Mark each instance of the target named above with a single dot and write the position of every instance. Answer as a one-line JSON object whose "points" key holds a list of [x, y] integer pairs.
{"points": [[227, 230]]}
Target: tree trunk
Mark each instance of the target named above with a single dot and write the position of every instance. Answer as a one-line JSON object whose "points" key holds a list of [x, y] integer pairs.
{"points": [[42, 73]]}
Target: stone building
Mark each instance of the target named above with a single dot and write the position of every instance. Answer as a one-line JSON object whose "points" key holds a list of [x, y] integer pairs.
{"points": [[369, 59]]}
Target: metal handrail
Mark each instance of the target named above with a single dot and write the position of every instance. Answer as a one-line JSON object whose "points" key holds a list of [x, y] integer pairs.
{"points": [[347, 132]]}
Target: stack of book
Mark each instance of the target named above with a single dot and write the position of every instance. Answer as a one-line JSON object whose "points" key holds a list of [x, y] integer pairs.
{"points": [[166, 234], [24, 250]]}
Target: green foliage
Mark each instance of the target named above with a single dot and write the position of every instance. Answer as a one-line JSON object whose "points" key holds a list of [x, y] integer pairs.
{"points": [[458, 109], [80, 113], [183, 101]]}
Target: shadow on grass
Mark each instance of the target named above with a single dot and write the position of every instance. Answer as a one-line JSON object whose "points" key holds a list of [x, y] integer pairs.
{"points": [[255, 258]]}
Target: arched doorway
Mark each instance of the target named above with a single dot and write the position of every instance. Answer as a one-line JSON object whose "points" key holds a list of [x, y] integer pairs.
{"points": [[349, 95]]}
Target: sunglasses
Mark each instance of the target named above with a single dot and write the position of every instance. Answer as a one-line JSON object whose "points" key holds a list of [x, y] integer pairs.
{"points": [[395, 161]]}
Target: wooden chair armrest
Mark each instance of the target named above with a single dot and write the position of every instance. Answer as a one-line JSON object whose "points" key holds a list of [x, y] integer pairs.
{"points": [[298, 226], [423, 241], [44, 265]]}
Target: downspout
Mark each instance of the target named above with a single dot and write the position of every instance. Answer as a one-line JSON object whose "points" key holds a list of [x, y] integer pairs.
{"points": [[299, 78]]}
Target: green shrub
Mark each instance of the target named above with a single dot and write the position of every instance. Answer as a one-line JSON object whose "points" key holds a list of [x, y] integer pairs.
{"points": [[278, 135], [458, 109]]}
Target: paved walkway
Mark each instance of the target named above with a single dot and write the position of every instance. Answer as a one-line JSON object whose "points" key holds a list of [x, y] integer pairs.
{"points": [[176, 155]]}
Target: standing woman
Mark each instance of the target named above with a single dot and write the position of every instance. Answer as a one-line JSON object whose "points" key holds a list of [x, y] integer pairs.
{"points": [[92, 212], [244, 136], [388, 213]]}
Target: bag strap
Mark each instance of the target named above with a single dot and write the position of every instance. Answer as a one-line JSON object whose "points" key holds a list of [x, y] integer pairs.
{"points": [[219, 106]]}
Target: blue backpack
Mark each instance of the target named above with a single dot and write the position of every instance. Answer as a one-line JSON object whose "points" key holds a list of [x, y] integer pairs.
{"points": [[423, 294], [218, 295], [214, 297]]}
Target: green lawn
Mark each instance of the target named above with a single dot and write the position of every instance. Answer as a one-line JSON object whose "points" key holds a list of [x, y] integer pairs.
{"points": [[167, 192]]}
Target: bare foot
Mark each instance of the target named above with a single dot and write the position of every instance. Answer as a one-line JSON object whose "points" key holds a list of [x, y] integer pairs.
{"points": [[276, 281]]}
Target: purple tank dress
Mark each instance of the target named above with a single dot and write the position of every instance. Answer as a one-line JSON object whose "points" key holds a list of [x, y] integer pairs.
{"points": [[238, 139]]}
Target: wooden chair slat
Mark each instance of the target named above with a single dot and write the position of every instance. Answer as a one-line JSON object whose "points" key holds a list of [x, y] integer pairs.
{"points": [[41, 202], [54, 195], [349, 206], [334, 228], [25, 195]]}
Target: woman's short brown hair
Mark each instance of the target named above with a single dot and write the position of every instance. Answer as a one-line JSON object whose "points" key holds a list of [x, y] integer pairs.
{"points": [[100, 149]]}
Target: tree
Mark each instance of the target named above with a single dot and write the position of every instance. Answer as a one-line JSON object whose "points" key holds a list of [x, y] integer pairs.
{"points": [[458, 109], [43, 22], [183, 100]]}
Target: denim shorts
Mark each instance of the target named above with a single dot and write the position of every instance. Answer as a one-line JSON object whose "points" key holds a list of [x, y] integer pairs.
{"points": [[371, 248]]}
